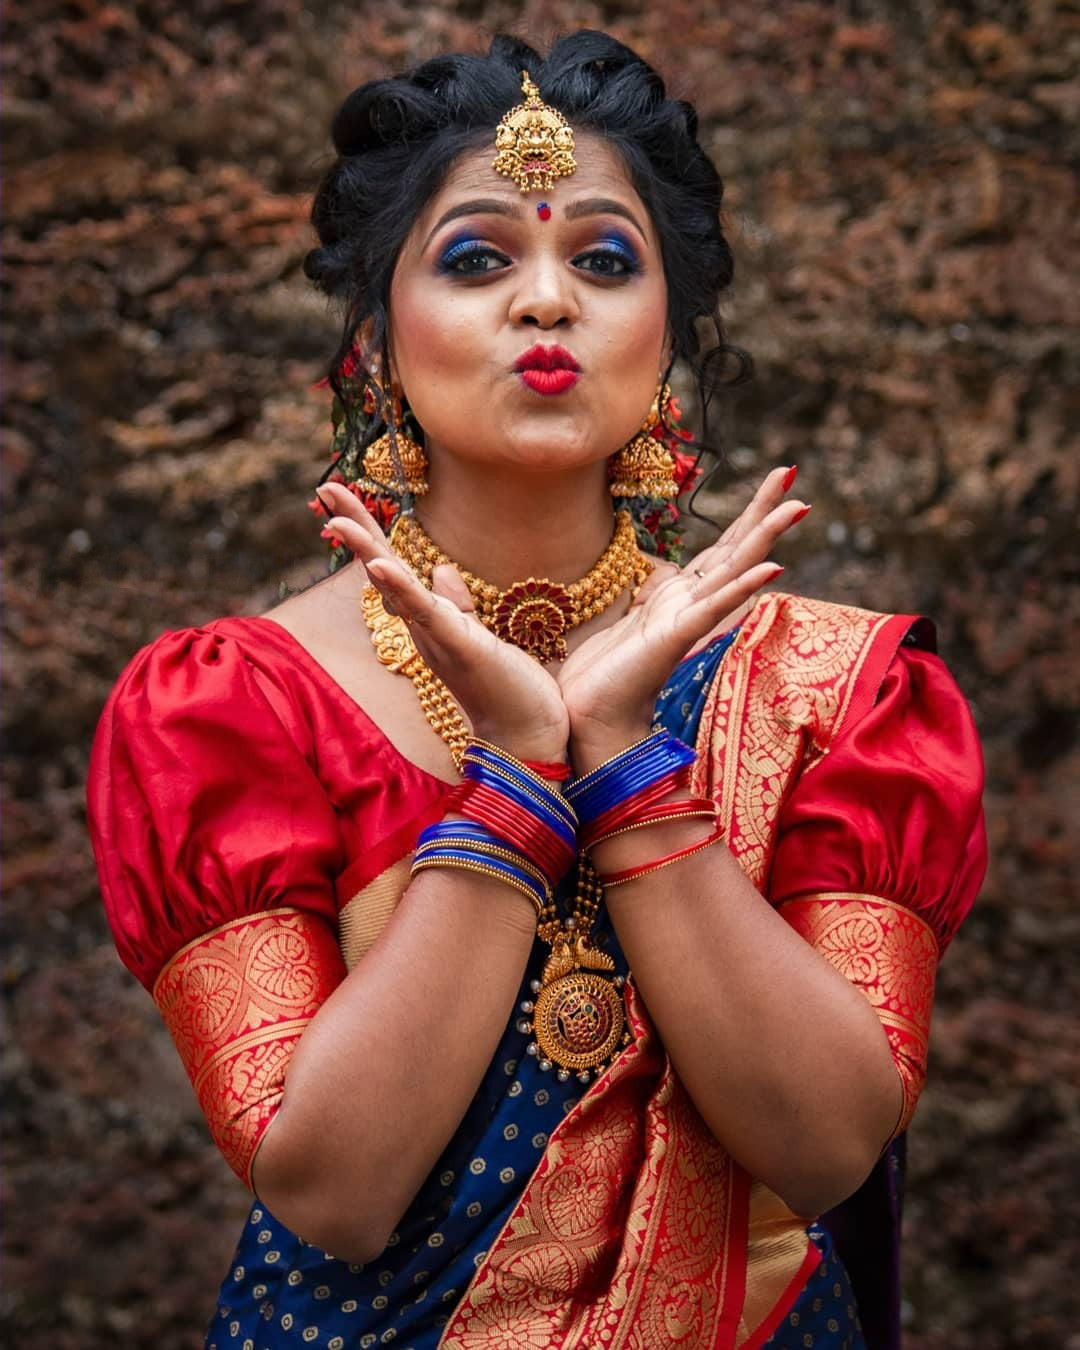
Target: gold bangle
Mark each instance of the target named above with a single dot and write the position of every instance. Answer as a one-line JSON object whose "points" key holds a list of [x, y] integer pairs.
{"points": [[492, 851], [493, 872]]}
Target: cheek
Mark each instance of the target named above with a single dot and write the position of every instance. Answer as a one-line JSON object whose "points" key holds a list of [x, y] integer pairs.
{"points": [[429, 334]]}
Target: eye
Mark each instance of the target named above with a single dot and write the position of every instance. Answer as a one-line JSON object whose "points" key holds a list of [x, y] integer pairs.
{"points": [[471, 258], [612, 258]]}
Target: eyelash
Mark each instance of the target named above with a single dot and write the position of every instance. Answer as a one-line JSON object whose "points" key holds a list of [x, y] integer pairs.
{"points": [[468, 250]]}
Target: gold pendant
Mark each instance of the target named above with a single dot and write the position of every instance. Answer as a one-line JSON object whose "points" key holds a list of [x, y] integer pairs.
{"points": [[578, 1022]]}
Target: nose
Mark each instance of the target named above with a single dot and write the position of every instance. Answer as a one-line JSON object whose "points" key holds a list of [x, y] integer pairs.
{"points": [[545, 296]]}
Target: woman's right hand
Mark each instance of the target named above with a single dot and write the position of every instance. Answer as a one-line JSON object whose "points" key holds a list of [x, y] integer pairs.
{"points": [[506, 696]]}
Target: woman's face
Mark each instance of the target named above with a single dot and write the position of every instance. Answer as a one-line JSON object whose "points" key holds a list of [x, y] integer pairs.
{"points": [[484, 279]]}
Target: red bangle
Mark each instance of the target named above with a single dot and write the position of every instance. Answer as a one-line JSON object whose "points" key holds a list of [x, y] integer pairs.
{"points": [[554, 773], [632, 873], [540, 844], [623, 813], [688, 808]]}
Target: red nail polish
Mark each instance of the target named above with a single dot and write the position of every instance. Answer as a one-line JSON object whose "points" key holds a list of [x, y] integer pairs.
{"points": [[324, 533], [789, 477], [799, 515]]}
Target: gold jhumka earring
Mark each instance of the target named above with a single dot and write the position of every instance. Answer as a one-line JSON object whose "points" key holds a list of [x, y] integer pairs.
{"points": [[383, 472], [645, 467]]}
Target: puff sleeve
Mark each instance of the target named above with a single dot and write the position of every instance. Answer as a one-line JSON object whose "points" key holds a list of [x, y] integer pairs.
{"points": [[881, 849], [217, 847]]}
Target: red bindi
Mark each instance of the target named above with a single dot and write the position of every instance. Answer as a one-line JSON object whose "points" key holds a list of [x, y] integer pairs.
{"points": [[543, 211]]}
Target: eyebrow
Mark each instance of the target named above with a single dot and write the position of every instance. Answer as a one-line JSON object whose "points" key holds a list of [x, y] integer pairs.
{"points": [[603, 206], [494, 206], [483, 206]]}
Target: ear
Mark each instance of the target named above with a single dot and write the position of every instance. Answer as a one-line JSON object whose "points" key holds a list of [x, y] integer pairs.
{"points": [[363, 342]]}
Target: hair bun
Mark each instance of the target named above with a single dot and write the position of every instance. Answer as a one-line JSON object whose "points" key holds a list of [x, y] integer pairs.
{"points": [[385, 112]]}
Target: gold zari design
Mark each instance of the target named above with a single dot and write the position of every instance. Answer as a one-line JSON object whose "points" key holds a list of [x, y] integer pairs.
{"points": [[890, 955], [629, 1233], [586, 1260], [534, 143], [236, 1002], [756, 735], [535, 614]]}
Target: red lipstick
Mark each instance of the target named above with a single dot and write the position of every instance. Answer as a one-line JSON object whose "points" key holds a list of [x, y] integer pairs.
{"points": [[548, 370]]}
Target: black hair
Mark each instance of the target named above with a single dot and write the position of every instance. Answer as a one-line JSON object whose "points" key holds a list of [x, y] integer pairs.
{"points": [[397, 138]]}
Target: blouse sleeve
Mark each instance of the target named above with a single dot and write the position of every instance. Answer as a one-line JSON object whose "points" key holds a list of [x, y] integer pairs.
{"points": [[882, 848], [216, 849]]}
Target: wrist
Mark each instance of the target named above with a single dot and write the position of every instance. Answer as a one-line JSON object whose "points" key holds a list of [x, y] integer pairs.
{"points": [[537, 745], [592, 746]]}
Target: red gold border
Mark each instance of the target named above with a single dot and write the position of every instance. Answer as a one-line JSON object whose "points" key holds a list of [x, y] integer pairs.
{"points": [[890, 954], [236, 1002]]}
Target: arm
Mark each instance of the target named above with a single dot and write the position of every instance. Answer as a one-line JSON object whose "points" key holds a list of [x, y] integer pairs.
{"points": [[384, 1072], [783, 1057], [880, 851], [217, 847]]}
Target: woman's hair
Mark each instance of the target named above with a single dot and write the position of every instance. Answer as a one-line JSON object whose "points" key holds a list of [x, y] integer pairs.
{"points": [[397, 138]]}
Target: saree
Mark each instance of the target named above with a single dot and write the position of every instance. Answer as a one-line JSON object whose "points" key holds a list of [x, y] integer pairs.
{"points": [[556, 1216]]}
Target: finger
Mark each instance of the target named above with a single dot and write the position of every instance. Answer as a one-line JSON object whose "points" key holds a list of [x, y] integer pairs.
{"points": [[707, 609], [360, 534], [342, 502], [758, 539], [770, 494], [447, 581]]}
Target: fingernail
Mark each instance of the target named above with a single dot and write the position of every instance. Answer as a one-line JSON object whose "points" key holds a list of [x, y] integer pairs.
{"points": [[789, 477], [799, 515], [327, 533], [776, 573], [328, 509]]}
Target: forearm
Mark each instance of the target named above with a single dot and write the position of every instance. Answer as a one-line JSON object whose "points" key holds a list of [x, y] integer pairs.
{"points": [[785, 1059], [385, 1071]]}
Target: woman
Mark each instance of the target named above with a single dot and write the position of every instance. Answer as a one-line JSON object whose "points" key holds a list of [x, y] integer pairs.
{"points": [[529, 1025]]}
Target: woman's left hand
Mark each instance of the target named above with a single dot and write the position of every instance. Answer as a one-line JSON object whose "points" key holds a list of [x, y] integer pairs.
{"points": [[610, 683]]}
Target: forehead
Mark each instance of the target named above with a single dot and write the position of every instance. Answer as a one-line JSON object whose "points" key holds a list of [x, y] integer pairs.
{"points": [[600, 173]]}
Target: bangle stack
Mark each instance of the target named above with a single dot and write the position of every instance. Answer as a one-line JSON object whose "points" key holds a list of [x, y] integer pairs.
{"points": [[515, 821], [517, 826], [626, 793]]}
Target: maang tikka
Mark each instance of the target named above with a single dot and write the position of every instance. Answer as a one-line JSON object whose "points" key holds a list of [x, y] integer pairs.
{"points": [[534, 143], [645, 467]]}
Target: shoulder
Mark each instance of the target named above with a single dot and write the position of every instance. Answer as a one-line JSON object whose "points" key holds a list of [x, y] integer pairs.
{"points": [[821, 663]]}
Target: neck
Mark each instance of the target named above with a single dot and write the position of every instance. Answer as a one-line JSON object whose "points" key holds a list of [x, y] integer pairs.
{"points": [[505, 526]]}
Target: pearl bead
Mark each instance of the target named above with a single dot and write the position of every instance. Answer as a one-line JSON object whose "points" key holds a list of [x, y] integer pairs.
{"points": [[544, 1065]]}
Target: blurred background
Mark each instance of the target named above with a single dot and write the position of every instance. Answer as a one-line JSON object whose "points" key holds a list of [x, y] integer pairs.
{"points": [[901, 194]]}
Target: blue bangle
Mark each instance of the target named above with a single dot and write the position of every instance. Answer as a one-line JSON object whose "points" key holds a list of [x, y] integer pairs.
{"points": [[488, 764], [628, 773]]}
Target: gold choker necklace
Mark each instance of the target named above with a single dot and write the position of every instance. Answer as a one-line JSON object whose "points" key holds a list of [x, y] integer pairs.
{"points": [[535, 614]]}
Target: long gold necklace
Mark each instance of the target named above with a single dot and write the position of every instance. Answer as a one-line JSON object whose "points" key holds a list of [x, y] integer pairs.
{"points": [[576, 1015], [535, 614]]}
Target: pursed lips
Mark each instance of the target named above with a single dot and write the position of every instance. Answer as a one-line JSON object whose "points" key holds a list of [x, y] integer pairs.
{"points": [[548, 370]]}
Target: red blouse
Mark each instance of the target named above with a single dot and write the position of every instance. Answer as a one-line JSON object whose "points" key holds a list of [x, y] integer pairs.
{"points": [[231, 775], [239, 799]]}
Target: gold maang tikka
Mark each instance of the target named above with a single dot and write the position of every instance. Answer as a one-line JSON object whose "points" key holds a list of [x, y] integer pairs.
{"points": [[534, 144]]}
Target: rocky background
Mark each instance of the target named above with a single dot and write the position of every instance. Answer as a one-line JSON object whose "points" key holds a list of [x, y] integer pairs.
{"points": [[902, 196]]}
